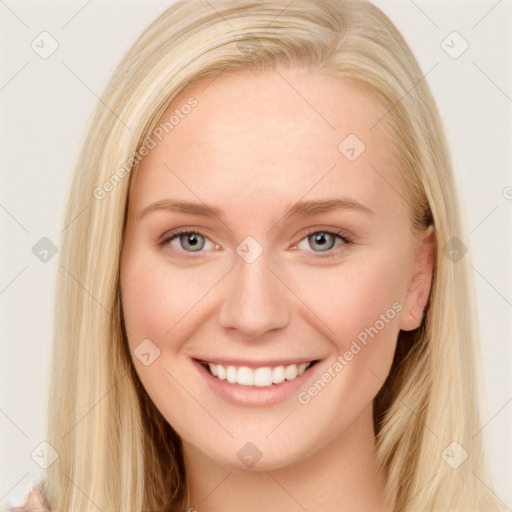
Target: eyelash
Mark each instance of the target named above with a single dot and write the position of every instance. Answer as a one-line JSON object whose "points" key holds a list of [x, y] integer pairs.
{"points": [[330, 253]]}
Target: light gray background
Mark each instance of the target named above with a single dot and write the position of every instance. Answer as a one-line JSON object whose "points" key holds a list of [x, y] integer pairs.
{"points": [[45, 104]]}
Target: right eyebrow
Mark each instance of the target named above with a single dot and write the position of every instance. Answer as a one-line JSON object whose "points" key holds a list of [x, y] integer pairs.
{"points": [[175, 205]]}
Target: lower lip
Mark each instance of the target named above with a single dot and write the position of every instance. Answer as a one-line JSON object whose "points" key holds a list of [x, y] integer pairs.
{"points": [[254, 396]]}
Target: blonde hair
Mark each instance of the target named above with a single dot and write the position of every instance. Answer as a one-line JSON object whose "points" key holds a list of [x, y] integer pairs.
{"points": [[116, 451]]}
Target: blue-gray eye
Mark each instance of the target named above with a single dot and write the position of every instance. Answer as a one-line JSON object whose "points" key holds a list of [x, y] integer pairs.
{"points": [[184, 241], [191, 241], [322, 240]]}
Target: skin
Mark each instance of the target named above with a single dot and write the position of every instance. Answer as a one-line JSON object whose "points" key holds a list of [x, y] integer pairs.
{"points": [[254, 145]]}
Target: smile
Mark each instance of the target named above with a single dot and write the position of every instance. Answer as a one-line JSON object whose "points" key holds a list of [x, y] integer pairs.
{"points": [[265, 376]]}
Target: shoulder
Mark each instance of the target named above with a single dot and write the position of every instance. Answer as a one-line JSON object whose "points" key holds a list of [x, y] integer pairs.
{"points": [[34, 502]]}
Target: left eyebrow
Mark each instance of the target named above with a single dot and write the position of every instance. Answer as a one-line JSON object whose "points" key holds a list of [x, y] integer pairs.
{"points": [[300, 209], [312, 207]]}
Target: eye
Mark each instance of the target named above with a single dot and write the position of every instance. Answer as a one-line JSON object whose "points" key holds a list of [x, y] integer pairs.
{"points": [[186, 241], [323, 242]]}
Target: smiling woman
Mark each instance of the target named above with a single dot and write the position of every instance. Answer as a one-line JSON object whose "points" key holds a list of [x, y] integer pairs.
{"points": [[282, 240]]}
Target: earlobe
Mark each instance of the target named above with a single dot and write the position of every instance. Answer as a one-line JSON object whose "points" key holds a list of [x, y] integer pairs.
{"points": [[420, 281]]}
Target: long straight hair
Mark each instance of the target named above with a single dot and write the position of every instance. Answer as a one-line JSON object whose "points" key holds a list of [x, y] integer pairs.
{"points": [[116, 451]]}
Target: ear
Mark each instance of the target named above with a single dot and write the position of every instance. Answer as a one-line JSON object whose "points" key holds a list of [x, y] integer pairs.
{"points": [[419, 280]]}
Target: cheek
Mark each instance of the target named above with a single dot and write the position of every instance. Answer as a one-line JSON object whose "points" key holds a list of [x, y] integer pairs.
{"points": [[360, 303], [158, 302], [157, 299], [144, 302], [352, 296]]}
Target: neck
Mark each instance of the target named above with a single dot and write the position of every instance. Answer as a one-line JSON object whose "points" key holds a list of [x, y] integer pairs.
{"points": [[342, 475]]}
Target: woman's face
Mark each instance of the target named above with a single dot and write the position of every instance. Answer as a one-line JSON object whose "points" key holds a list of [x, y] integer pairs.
{"points": [[300, 274]]}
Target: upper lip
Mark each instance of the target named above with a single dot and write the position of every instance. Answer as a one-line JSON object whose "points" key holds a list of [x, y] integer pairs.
{"points": [[254, 364]]}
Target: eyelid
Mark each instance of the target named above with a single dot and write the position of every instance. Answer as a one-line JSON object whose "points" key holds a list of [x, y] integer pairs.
{"points": [[172, 233], [342, 233]]}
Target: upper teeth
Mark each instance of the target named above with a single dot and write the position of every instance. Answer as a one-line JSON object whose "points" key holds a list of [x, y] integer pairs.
{"points": [[265, 376]]}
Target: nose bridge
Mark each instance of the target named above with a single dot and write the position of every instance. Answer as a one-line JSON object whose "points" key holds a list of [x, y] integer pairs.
{"points": [[255, 300]]}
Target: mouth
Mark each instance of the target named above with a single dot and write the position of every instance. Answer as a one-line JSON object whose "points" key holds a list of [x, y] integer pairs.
{"points": [[262, 377]]}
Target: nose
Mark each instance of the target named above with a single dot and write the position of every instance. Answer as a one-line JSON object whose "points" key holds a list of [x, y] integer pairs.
{"points": [[255, 300]]}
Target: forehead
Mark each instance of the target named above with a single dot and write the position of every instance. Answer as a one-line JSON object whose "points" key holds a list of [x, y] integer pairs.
{"points": [[262, 140]]}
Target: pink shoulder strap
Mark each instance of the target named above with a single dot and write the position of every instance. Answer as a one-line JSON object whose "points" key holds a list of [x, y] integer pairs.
{"points": [[35, 502]]}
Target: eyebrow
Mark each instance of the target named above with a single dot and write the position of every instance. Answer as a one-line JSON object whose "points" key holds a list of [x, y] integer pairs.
{"points": [[302, 208]]}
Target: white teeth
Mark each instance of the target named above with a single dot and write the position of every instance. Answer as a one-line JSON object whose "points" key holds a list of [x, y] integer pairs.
{"points": [[260, 377], [291, 372], [213, 369], [231, 374], [263, 377], [245, 376], [221, 372], [278, 375]]}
